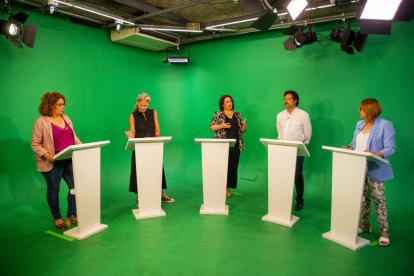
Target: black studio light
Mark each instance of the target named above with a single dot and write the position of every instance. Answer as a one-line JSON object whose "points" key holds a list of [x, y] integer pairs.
{"points": [[349, 39], [17, 32], [299, 37], [266, 20]]}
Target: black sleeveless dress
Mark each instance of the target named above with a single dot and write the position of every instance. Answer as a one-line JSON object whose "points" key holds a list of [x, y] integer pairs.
{"points": [[144, 127]]}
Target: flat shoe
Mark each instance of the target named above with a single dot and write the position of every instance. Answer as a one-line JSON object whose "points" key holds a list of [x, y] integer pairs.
{"points": [[383, 241], [365, 230], [60, 224], [71, 219]]}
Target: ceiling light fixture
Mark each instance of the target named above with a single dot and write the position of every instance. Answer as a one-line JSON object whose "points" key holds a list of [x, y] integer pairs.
{"points": [[295, 7], [177, 57], [233, 22], [94, 12], [380, 9], [190, 28]]}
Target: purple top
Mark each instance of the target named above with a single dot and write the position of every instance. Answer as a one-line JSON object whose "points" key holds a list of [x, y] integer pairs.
{"points": [[62, 137]]}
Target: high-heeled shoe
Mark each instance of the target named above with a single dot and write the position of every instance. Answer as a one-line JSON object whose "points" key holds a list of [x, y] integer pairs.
{"points": [[364, 229]]}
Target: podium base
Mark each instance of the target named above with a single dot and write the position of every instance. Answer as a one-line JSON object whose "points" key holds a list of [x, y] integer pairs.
{"points": [[142, 215], [207, 211], [359, 242], [289, 223], [74, 232]]}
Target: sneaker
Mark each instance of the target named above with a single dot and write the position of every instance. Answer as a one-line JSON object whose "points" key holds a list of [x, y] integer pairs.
{"points": [[167, 199]]}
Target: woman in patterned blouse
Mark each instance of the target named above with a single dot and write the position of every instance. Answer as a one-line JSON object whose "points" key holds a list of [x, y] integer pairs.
{"points": [[228, 124]]}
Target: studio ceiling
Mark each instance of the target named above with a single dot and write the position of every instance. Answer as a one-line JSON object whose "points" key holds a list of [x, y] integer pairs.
{"points": [[201, 14]]}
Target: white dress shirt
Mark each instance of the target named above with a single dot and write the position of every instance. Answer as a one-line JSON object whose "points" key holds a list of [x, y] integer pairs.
{"points": [[294, 126]]}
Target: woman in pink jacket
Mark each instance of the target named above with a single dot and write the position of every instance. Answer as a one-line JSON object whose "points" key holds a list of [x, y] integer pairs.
{"points": [[52, 133]]}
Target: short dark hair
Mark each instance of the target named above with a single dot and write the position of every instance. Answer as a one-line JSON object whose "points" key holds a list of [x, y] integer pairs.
{"points": [[295, 95], [221, 101]]}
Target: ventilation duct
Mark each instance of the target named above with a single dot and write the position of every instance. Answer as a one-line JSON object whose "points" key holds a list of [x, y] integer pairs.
{"points": [[150, 41]]}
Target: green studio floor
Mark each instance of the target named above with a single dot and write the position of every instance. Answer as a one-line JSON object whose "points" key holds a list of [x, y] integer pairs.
{"points": [[187, 243]]}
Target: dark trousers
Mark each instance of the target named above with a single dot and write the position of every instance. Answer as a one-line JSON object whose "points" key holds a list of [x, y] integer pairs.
{"points": [[233, 165], [299, 183], [61, 169], [133, 176]]}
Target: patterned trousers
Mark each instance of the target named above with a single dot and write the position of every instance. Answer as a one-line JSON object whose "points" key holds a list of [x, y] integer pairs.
{"points": [[374, 190]]}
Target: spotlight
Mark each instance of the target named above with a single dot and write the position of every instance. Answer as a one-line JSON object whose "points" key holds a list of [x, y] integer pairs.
{"points": [[15, 30], [300, 38], [348, 38]]}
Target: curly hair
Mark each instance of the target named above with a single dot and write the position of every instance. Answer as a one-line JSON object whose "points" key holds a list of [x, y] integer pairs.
{"points": [[47, 101]]}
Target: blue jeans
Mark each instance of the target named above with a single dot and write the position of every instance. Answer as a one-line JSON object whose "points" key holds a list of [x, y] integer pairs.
{"points": [[61, 169]]}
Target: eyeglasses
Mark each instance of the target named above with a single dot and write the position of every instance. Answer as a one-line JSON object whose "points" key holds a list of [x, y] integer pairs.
{"points": [[61, 104]]}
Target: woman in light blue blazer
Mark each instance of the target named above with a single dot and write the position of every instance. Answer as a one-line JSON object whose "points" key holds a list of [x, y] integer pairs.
{"points": [[376, 135]]}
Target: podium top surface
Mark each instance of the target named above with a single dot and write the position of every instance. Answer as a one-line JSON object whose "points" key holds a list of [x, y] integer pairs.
{"points": [[369, 155], [132, 141], [67, 153], [215, 140], [302, 149]]}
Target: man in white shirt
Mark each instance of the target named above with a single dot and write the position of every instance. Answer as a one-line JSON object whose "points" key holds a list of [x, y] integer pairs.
{"points": [[293, 124]]}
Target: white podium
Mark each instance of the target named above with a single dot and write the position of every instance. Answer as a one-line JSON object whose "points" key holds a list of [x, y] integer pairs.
{"points": [[148, 160], [281, 178], [348, 175], [215, 158], [86, 162]]}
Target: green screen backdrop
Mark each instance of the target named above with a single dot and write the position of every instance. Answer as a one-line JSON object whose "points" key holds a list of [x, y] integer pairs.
{"points": [[101, 80]]}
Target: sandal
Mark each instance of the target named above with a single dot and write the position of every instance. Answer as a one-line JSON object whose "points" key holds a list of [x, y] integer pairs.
{"points": [[59, 224], [364, 229], [228, 193], [383, 241]]}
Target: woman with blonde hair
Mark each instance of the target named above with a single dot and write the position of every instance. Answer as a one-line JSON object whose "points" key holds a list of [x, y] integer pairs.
{"points": [[143, 122]]}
